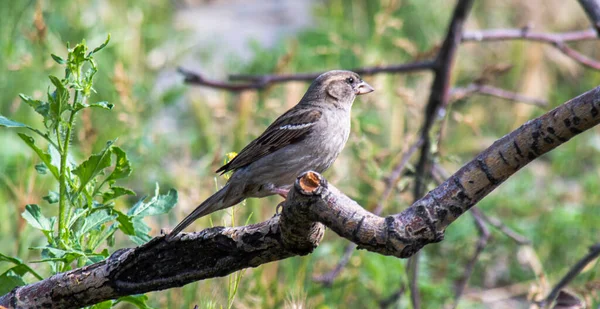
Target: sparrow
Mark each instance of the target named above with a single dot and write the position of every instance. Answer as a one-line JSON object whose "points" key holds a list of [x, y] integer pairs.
{"points": [[309, 136]]}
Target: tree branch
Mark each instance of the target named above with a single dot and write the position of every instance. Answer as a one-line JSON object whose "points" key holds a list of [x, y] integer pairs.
{"points": [[593, 254], [390, 184], [262, 81], [461, 93], [557, 40], [312, 203]]}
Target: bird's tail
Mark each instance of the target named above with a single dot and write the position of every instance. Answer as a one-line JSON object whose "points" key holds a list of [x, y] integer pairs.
{"points": [[213, 203]]}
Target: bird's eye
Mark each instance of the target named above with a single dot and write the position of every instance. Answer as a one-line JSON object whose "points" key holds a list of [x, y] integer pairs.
{"points": [[350, 80]]}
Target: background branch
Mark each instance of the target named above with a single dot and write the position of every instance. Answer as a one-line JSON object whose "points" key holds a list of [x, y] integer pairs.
{"points": [[571, 274], [476, 88], [557, 40], [262, 81]]}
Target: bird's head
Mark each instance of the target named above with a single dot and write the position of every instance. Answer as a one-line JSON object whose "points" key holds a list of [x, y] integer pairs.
{"points": [[341, 86]]}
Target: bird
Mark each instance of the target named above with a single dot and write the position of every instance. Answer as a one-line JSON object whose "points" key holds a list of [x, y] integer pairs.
{"points": [[309, 136]]}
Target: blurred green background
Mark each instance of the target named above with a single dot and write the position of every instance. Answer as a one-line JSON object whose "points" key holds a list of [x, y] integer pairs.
{"points": [[177, 135]]}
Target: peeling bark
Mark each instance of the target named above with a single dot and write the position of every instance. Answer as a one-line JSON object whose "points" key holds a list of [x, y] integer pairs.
{"points": [[311, 205]]}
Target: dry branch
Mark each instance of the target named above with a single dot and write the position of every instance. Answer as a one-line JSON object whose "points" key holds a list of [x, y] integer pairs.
{"points": [[593, 254], [558, 40], [262, 81], [219, 251], [464, 92]]}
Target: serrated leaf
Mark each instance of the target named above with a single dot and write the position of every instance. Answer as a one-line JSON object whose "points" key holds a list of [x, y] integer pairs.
{"points": [[94, 165], [39, 106], [159, 204], [58, 59], [5, 122], [33, 215], [115, 192], [45, 157], [9, 281], [52, 197], [122, 167], [94, 221], [103, 104]]}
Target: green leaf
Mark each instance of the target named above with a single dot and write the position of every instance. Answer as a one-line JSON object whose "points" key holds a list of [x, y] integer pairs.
{"points": [[5, 122], [58, 59], [94, 221], [9, 280], [39, 106], [122, 167], [115, 192], [50, 254], [6, 258], [99, 48], [141, 231], [59, 98], [106, 235], [52, 197], [103, 104], [41, 168], [33, 215], [103, 305], [125, 223], [79, 212], [45, 157], [159, 204], [137, 300], [94, 165], [20, 267]]}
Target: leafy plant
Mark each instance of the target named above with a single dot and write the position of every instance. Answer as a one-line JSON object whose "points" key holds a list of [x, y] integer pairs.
{"points": [[87, 218]]}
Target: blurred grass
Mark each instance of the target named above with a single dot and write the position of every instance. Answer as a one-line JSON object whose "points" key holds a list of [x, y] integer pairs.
{"points": [[178, 136]]}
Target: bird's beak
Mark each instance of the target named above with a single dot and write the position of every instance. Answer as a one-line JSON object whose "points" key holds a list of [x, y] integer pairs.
{"points": [[363, 88]]}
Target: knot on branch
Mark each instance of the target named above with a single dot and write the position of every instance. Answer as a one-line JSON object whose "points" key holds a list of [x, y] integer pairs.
{"points": [[310, 183]]}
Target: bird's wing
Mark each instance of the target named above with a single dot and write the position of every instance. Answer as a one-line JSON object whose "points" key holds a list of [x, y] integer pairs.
{"points": [[289, 128]]}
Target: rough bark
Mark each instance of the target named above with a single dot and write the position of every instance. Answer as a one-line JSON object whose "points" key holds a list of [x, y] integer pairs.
{"points": [[310, 206]]}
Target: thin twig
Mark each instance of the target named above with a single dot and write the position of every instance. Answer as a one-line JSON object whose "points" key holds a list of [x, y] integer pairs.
{"points": [[390, 184], [495, 222], [484, 236], [558, 40], [571, 274], [476, 88], [262, 81]]}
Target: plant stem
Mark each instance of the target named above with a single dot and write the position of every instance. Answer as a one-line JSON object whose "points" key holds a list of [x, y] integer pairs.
{"points": [[63, 207]]}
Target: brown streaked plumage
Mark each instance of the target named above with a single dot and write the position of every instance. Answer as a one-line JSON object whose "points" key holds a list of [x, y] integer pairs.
{"points": [[309, 136]]}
